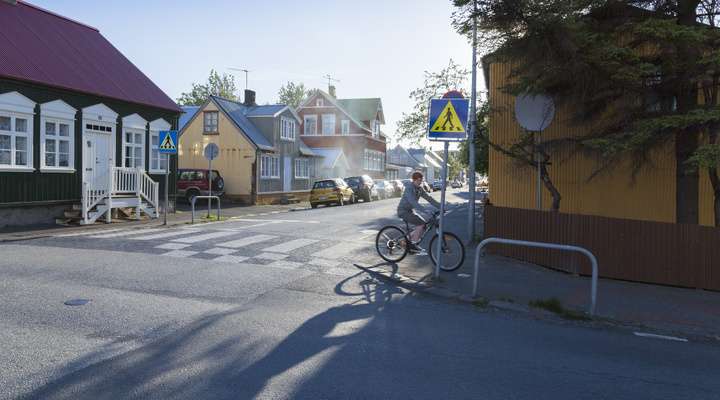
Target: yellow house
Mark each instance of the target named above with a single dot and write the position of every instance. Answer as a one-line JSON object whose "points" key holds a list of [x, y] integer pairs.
{"points": [[261, 158], [648, 195]]}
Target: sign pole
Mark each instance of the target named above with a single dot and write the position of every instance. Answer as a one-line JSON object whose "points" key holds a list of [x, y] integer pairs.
{"points": [[167, 188], [442, 211], [209, 185], [471, 134], [538, 195]]}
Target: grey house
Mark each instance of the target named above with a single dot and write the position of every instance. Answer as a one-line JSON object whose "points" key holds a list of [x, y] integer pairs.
{"points": [[262, 158]]}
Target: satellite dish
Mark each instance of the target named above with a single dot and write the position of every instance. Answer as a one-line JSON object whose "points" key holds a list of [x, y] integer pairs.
{"points": [[534, 112]]}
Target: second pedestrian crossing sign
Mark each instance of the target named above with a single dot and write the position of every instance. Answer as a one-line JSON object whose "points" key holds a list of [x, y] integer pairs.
{"points": [[168, 142], [448, 119]]}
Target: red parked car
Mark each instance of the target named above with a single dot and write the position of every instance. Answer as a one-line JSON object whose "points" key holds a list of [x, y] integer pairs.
{"points": [[194, 182]]}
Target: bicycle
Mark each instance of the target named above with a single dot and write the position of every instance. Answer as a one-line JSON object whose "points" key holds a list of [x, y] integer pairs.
{"points": [[391, 244]]}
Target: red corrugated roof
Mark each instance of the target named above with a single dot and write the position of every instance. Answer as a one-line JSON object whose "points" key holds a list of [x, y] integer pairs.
{"points": [[39, 46]]}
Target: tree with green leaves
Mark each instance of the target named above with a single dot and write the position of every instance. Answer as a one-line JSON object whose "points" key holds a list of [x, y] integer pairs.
{"points": [[293, 94], [482, 141], [413, 126], [216, 85], [641, 72]]}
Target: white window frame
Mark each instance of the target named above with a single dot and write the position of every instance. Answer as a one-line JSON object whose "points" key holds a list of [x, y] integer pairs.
{"points": [[205, 122], [269, 167], [376, 128], [56, 138], [326, 118], [57, 112], [373, 160], [302, 168], [306, 131], [345, 126], [288, 129], [162, 159], [15, 106], [320, 102], [133, 145]]}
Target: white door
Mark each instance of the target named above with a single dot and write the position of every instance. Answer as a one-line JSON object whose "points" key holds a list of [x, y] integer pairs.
{"points": [[97, 160], [287, 177]]}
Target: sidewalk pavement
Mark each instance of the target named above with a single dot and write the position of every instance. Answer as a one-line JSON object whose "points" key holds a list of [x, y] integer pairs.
{"points": [[512, 284], [182, 216]]}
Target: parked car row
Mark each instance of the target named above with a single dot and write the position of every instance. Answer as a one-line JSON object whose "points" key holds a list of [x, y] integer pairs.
{"points": [[352, 190]]}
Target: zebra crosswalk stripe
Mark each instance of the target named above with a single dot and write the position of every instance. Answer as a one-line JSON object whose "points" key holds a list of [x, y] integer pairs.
{"points": [[290, 246], [171, 233], [202, 238], [246, 241], [339, 250], [126, 233]]}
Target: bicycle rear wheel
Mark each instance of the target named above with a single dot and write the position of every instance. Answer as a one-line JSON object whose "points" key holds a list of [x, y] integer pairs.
{"points": [[390, 244], [453, 251]]}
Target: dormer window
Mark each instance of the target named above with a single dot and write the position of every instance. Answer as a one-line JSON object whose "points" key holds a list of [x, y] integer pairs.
{"points": [[320, 103]]}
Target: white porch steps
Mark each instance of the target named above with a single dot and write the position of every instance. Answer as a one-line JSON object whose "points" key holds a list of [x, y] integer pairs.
{"points": [[127, 206]]}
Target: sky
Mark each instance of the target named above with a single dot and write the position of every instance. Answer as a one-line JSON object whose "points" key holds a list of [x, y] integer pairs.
{"points": [[376, 48]]}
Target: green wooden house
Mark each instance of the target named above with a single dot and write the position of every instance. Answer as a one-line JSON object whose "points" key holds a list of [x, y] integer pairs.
{"points": [[79, 123]]}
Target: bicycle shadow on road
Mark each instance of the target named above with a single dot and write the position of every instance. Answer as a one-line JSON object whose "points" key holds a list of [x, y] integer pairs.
{"points": [[199, 361]]}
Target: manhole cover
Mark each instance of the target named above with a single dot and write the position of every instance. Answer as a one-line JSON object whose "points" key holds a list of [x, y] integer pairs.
{"points": [[77, 302]]}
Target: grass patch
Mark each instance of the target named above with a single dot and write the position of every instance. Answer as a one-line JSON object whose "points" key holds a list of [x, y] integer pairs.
{"points": [[555, 306], [481, 302], [212, 217]]}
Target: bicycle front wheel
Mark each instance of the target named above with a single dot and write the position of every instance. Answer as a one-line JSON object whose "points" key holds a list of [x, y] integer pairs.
{"points": [[453, 251], [391, 244]]}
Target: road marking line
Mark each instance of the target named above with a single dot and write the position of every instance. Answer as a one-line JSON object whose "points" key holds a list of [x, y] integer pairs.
{"points": [[290, 246], [219, 251], [322, 262], [246, 241], [370, 232], [339, 250], [172, 246], [654, 336], [180, 253], [127, 233], [271, 256], [285, 264], [92, 232], [230, 259], [166, 234], [201, 238]]}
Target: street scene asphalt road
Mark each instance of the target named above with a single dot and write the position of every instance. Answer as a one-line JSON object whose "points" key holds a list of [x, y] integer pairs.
{"points": [[274, 307]]}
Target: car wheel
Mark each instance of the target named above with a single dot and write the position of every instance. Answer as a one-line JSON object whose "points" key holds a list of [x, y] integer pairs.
{"points": [[367, 198], [313, 205], [191, 195]]}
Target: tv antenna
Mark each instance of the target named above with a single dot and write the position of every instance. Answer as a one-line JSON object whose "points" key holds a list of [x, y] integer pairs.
{"points": [[242, 70], [331, 80]]}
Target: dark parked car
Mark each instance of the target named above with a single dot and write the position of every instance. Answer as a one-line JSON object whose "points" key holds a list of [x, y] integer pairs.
{"points": [[363, 186], [194, 182], [437, 184]]}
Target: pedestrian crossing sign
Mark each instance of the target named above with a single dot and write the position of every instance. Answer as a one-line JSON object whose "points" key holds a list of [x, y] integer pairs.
{"points": [[448, 119], [168, 142]]}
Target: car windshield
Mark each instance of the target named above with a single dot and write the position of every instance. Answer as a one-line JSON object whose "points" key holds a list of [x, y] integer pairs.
{"points": [[352, 181], [324, 185]]}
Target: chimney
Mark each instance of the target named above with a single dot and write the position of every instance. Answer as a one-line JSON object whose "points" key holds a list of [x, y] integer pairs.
{"points": [[331, 90], [249, 98]]}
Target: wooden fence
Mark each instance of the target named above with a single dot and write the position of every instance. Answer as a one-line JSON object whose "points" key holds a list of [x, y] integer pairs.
{"points": [[641, 251]]}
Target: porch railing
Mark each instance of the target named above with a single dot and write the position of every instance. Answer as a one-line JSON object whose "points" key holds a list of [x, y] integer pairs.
{"points": [[121, 182]]}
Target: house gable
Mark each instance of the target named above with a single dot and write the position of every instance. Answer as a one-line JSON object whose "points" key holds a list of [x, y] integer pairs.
{"points": [[100, 112], [15, 102], [57, 109]]}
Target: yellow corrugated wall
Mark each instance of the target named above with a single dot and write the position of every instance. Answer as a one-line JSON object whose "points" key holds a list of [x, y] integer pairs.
{"points": [[649, 195]]}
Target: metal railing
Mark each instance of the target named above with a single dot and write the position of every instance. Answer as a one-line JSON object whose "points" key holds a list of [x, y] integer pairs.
{"points": [[209, 199], [593, 288]]}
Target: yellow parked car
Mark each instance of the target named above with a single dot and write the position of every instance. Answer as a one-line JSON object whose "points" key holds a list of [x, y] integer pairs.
{"points": [[330, 191]]}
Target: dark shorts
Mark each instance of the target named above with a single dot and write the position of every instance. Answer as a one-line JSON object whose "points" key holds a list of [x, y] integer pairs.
{"points": [[414, 218]]}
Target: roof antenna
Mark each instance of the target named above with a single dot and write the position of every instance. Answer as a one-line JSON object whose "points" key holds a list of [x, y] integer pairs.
{"points": [[331, 79], [242, 70]]}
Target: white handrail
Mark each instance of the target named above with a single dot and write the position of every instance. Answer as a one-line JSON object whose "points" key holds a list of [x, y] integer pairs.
{"points": [[593, 261]]}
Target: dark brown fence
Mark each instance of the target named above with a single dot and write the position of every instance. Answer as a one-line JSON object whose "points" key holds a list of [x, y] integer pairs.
{"points": [[653, 252]]}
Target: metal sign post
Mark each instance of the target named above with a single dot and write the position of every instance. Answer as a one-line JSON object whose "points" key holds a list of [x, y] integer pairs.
{"points": [[447, 122], [168, 144], [211, 152]]}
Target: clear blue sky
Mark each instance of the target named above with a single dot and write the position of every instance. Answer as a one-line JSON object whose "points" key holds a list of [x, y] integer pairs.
{"points": [[376, 48]]}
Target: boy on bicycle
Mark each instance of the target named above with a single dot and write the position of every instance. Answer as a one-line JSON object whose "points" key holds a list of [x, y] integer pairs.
{"points": [[412, 212]]}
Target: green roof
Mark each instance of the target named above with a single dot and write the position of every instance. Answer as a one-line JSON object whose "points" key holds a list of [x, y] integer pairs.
{"points": [[362, 109]]}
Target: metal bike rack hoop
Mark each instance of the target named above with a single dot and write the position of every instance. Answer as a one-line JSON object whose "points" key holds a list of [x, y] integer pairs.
{"points": [[593, 261], [209, 198]]}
